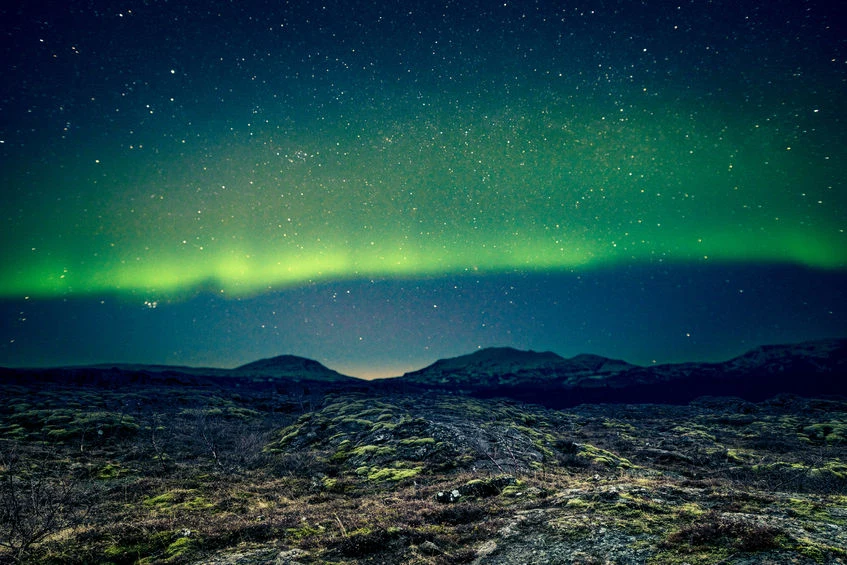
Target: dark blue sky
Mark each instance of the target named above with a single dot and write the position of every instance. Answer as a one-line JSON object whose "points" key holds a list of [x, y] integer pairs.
{"points": [[386, 327], [377, 185]]}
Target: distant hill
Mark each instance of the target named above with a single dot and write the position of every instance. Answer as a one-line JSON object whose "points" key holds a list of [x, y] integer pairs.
{"points": [[822, 355], [807, 369], [291, 367], [281, 370], [505, 366]]}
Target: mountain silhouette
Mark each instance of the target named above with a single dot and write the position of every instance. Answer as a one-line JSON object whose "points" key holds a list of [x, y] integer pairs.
{"points": [[505, 366], [813, 368], [291, 367], [809, 369]]}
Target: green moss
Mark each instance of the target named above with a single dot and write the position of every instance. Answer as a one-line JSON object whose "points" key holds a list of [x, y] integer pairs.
{"points": [[164, 499], [373, 412], [812, 551], [694, 432], [832, 469], [689, 510], [287, 435], [298, 534], [619, 426], [141, 550], [242, 413], [111, 471], [740, 456], [177, 500], [602, 457], [19, 407], [339, 456], [181, 547], [417, 441], [13, 431], [201, 412], [512, 491], [62, 424], [113, 551], [356, 422], [389, 474], [372, 450], [540, 440], [196, 503], [60, 416], [330, 483], [819, 552], [812, 510], [577, 502], [62, 434], [384, 425], [832, 432], [780, 466]]}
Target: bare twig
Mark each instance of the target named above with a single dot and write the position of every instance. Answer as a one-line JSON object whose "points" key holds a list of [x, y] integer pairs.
{"points": [[340, 525]]}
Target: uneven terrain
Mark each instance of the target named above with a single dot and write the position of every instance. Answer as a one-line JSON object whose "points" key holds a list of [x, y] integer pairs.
{"points": [[321, 473]]}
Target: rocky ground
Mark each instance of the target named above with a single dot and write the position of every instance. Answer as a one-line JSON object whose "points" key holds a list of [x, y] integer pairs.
{"points": [[221, 476]]}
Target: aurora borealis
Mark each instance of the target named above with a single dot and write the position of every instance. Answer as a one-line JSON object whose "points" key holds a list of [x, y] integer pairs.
{"points": [[324, 179]]}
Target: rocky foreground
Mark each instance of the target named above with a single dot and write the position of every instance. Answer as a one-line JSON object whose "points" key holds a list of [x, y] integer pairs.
{"points": [[205, 474]]}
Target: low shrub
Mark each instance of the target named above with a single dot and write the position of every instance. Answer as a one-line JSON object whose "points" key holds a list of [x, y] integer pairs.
{"points": [[715, 530]]}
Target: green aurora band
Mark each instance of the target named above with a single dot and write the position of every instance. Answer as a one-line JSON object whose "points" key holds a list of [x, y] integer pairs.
{"points": [[537, 185]]}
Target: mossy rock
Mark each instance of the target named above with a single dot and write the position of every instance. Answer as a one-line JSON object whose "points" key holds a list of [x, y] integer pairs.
{"points": [[352, 424], [830, 433], [602, 457], [417, 441], [740, 456], [384, 426], [374, 450], [111, 471], [161, 500], [177, 499], [695, 432], [13, 431], [512, 491], [299, 534], [483, 488], [389, 474], [181, 547], [145, 549], [286, 437], [242, 413], [331, 484], [64, 434]]}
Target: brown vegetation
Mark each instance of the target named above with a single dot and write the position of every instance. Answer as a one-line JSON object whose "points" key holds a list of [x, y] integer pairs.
{"points": [[224, 476]]}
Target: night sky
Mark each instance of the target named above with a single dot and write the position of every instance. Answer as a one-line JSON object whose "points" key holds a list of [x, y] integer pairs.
{"points": [[376, 185]]}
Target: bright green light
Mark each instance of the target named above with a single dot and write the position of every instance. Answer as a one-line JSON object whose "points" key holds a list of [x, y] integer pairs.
{"points": [[549, 189]]}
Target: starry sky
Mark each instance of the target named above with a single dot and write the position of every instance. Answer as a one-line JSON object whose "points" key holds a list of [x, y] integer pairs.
{"points": [[377, 185]]}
